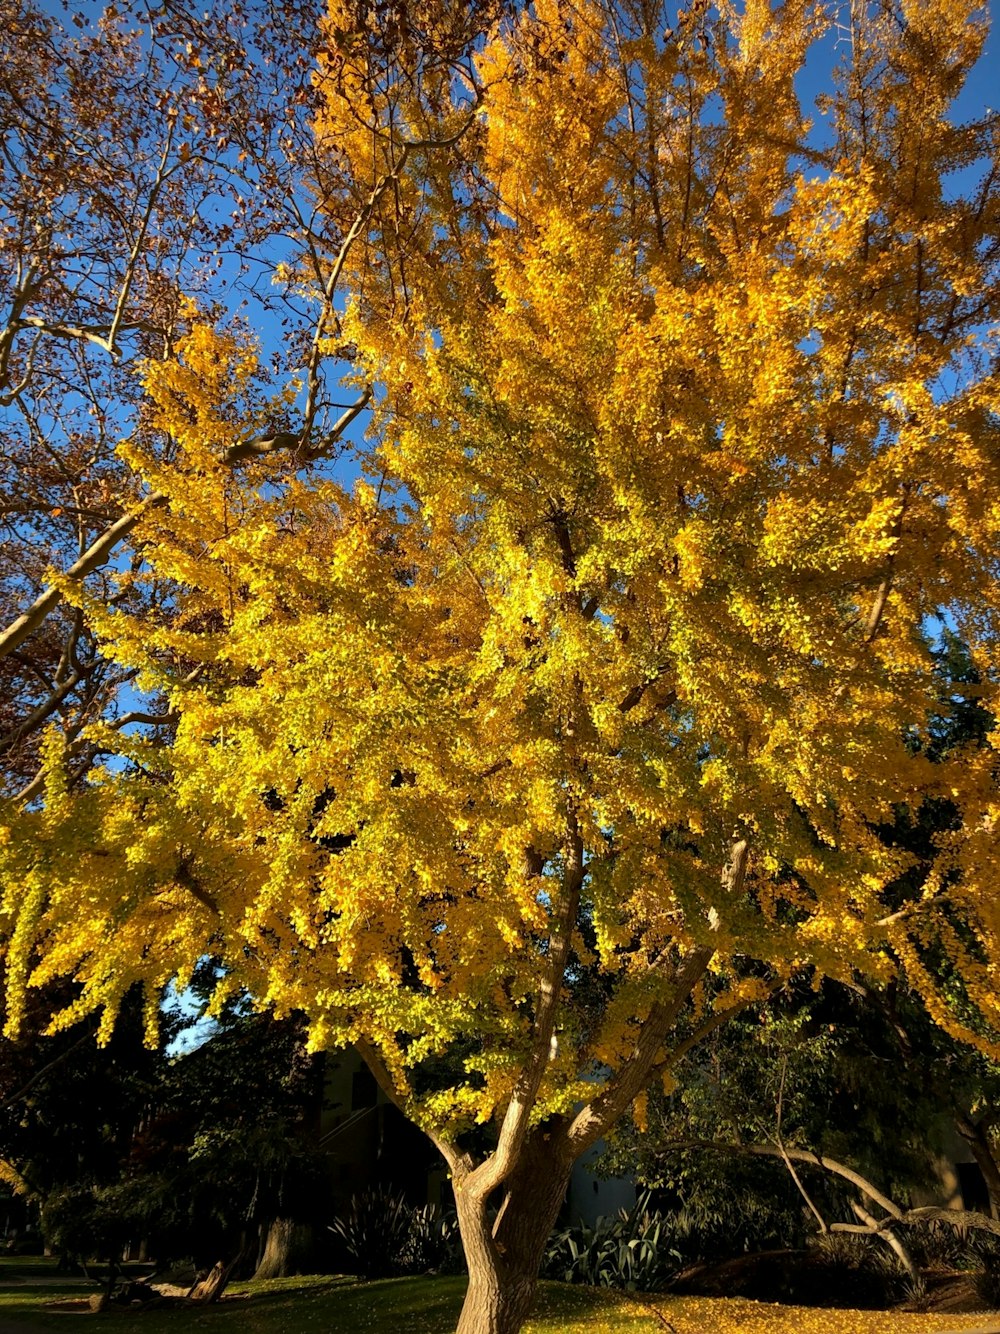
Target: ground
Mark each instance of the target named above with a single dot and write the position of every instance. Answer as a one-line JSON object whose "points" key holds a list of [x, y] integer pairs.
{"points": [[430, 1306]]}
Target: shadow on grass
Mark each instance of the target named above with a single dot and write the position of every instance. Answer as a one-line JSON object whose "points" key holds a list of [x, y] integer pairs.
{"points": [[416, 1305], [425, 1305], [280, 1306]]}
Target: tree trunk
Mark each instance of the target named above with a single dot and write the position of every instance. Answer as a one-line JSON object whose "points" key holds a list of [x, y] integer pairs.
{"points": [[210, 1288], [976, 1135], [504, 1255], [288, 1243]]}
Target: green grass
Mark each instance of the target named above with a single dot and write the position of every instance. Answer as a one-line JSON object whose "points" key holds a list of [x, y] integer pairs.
{"points": [[337, 1305], [321, 1303]]}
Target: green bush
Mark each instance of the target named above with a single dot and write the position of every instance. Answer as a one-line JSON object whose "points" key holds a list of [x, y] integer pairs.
{"points": [[631, 1249]]}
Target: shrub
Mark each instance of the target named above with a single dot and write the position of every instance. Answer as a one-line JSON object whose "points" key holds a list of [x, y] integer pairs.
{"points": [[631, 1249], [385, 1237], [864, 1270], [986, 1250], [435, 1241], [940, 1246]]}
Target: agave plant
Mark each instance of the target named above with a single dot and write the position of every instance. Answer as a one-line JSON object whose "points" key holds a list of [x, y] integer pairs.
{"points": [[435, 1242], [630, 1249]]}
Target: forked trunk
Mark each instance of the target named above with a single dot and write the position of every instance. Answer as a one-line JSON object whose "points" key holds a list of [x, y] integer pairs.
{"points": [[504, 1256]]}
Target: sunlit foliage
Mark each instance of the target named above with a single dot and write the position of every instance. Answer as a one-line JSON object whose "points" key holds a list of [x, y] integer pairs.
{"points": [[616, 662]]}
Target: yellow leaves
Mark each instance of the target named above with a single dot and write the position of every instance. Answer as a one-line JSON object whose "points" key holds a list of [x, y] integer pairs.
{"points": [[640, 1112], [829, 218], [692, 1315], [26, 912], [656, 426], [190, 395], [692, 544], [743, 991], [753, 28], [11, 1177], [54, 755], [555, 66]]}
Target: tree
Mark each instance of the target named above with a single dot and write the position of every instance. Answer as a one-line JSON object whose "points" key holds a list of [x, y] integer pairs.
{"points": [[837, 1076], [603, 678], [69, 1114], [185, 1154], [229, 1152], [824, 1104], [193, 161]]}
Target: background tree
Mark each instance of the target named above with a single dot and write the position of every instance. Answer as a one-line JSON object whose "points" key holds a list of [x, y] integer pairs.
{"points": [[231, 1148], [805, 1110], [69, 1115], [187, 135], [612, 666], [837, 1077], [191, 1156]]}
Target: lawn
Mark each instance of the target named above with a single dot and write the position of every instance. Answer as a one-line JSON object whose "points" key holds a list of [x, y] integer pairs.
{"points": [[430, 1306]]}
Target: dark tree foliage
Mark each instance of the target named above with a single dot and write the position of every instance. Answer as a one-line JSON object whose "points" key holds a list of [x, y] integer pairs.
{"points": [[854, 1072], [69, 1113], [188, 1155], [233, 1144]]}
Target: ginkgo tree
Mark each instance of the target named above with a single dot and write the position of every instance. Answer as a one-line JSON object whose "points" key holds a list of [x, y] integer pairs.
{"points": [[571, 726]]}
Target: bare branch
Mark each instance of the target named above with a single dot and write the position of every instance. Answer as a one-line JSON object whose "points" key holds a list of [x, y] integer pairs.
{"points": [[42, 711], [787, 1160], [889, 1236], [92, 559], [802, 1156], [162, 173]]}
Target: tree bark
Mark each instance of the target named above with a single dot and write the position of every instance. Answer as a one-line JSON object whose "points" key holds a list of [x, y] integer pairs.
{"points": [[210, 1288], [504, 1254], [286, 1243]]}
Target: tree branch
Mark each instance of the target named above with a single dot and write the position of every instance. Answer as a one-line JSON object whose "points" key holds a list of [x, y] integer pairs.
{"points": [[489, 1174], [802, 1156], [26, 1088], [596, 1118], [593, 1120], [786, 1158], [890, 1238], [459, 1163], [92, 559], [715, 1021]]}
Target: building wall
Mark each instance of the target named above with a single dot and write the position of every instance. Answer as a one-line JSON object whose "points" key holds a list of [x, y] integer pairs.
{"points": [[369, 1142], [590, 1197]]}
